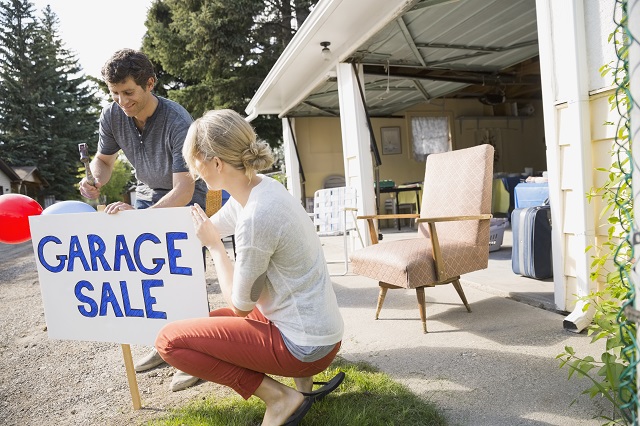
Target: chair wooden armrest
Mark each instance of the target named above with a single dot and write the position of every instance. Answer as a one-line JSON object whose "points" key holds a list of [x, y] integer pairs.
{"points": [[435, 243], [454, 218], [429, 220], [391, 216], [373, 234]]}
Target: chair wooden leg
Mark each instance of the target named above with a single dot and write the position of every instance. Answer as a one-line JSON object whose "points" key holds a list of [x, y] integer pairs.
{"points": [[458, 287], [381, 296], [422, 307]]}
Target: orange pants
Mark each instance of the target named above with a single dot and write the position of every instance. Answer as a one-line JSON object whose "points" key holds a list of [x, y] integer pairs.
{"points": [[233, 351]]}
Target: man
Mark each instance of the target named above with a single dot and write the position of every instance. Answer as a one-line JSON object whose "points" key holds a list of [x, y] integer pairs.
{"points": [[150, 130]]}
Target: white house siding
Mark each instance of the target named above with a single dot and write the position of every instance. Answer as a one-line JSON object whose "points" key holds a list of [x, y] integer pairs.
{"points": [[603, 144]]}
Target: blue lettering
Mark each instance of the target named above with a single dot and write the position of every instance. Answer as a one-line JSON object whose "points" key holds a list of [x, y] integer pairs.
{"points": [[175, 253], [128, 311], [149, 300], [75, 251], [122, 251], [136, 252], [93, 306], [97, 248], [61, 258], [109, 297]]}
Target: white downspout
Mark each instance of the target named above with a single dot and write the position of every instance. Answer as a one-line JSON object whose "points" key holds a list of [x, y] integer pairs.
{"points": [[568, 202], [580, 318], [252, 115]]}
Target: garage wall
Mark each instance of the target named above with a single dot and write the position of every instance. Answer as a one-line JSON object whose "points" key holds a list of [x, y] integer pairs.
{"points": [[520, 140]]}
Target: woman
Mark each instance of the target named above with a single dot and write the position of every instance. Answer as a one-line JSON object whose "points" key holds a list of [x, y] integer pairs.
{"points": [[282, 316]]}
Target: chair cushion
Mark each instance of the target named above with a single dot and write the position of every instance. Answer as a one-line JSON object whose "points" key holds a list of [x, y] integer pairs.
{"points": [[409, 263]]}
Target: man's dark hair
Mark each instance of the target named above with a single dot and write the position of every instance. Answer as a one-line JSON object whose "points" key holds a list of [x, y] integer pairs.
{"points": [[128, 63]]}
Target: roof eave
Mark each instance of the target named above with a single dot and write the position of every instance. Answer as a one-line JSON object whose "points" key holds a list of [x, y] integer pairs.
{"points": [[346, 24]]}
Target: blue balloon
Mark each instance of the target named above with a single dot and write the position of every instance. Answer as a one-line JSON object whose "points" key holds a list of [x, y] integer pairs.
{"points": [[70, 206]]}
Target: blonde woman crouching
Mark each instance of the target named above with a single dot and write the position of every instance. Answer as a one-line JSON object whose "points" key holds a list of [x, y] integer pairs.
{"points": [[282, 316]]}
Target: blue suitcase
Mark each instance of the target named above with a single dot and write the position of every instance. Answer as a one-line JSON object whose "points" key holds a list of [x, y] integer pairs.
{"points": [[529, 194], [531, 252]]}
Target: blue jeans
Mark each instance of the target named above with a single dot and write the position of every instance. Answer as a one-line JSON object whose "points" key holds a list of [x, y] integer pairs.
{"points": [[142, 204]]}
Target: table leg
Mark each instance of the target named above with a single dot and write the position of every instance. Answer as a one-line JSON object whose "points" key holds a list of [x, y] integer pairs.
{"points": [[398, 208]]}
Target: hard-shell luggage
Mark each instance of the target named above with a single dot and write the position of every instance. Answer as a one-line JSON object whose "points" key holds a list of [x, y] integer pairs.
{"points": [[531, 252]]}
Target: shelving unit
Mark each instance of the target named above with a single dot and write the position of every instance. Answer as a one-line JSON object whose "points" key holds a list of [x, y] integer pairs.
{"points": [[479, 118]]}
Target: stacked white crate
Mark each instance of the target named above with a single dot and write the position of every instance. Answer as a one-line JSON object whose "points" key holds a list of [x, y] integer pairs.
{"points": [[329, 214]]}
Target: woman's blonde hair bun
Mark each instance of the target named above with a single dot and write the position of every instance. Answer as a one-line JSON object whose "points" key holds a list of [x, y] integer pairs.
{"points": [[225, 134], [257, 156]]}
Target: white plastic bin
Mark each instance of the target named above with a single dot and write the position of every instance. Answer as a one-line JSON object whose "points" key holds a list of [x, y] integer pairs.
{"points": [[496, 233]]}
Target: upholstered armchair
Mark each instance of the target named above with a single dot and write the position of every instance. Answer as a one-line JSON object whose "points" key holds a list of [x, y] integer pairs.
{"points": [[453, 230]]}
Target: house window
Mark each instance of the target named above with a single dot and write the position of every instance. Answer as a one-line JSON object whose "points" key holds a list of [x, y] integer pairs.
{"points": [[430, 135]]}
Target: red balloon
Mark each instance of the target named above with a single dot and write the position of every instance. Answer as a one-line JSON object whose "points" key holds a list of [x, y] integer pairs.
{"points": [[15, 210]]}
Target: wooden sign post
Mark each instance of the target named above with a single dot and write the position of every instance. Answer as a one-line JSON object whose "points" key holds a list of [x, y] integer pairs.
{"points": [[131, 376]]}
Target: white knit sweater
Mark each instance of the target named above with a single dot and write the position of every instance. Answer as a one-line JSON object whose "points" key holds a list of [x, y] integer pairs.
{"points": [[274, 234]]}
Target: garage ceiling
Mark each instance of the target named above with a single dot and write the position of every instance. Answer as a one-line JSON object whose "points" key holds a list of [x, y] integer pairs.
{"points": [[483, 49]]}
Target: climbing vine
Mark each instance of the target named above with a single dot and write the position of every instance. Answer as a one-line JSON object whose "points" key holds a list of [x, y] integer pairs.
{"points": [[613, 375]]}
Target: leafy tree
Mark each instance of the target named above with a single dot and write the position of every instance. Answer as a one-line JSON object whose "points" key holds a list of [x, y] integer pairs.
{"points": [[121, 179], [47, 107], [215, 54]]}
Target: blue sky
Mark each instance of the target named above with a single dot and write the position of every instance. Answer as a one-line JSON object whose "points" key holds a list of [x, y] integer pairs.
{"points": [[94, 29]]}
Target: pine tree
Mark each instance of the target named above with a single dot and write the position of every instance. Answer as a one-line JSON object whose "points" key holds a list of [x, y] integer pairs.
{"points": [[21, 118], [48, 106], [72, 110], [216, 54]]}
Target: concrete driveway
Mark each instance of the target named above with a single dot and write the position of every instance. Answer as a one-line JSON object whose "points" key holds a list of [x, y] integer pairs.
{"points": [[493, 366]]}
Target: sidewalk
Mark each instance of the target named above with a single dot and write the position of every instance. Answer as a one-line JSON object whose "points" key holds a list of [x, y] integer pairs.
{"points": [[493, 366]]}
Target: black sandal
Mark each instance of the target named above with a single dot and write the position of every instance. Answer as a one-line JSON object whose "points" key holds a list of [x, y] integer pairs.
{"points": [[326, 389], [300, 412]]}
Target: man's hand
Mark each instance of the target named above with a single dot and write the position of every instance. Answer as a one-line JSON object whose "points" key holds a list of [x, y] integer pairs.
{"points": [[90, 191], [116, 207]]}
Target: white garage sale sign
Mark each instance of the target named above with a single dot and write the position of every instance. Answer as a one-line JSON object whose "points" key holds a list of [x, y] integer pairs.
{"points": [[121, 277]]}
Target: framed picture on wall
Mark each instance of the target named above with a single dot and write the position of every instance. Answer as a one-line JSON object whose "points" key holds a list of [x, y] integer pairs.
{"points": [[390, 140]]}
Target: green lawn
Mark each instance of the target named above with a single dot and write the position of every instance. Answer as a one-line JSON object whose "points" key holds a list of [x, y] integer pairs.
{"points": [[366, 397]]}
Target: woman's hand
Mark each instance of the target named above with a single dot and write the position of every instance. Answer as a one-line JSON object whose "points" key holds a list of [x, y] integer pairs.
{"points": [[205, 231], [116, 207], [210, 238]]}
